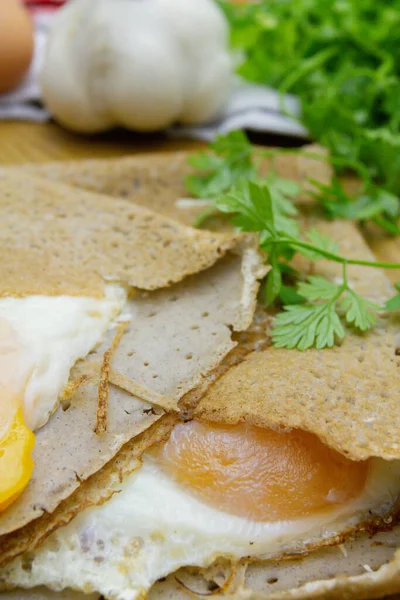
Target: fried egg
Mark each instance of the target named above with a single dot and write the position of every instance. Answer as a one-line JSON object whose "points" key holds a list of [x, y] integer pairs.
{"points": [[41, 338], [210, 491]]}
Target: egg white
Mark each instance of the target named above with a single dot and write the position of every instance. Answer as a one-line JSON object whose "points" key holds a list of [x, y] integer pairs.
{"points": [[153, 526], [54, 332]]}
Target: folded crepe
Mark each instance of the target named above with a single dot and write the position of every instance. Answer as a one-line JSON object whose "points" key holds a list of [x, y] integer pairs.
{"points": [[179, 294], [346, 395], [157, 181]]}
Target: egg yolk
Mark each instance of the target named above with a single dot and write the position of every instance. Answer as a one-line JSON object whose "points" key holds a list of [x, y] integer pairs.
{"points": [[260, 474], [16, 440], [16, 462]]}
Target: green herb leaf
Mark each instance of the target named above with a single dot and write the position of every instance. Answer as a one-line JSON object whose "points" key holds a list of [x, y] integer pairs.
{"points": [[230, 159], [251, 204], [303, 326], [358, 310], [394, 303], [289, 296], [318, 288], [320, 242], [341, 60]]}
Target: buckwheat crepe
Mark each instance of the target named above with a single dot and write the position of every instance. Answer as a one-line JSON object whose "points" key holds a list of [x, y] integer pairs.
{"points": [[61, 240], [347, 395], [158, 181]]}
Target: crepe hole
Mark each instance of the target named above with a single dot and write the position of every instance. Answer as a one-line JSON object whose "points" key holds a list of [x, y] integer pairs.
{"points": [[131, 216], [214, 333], [155, 376], [397, 351], [194, 327], [272, 580], [162, 579], [361, 358], [131, 353], [205, 314], [65, 404], [212, 586], [127, 412], [173, 299], [152, 314], [189, 356], [149, 411], [145, 364], [114, 245], [27, 562], [98, 559]]}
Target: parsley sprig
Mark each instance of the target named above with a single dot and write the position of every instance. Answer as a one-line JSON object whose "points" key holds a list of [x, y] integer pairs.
{"points": [[233, 157], [341, 59], [316, 312]]}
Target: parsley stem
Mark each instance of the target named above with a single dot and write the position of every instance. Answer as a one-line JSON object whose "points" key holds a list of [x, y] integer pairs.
{"points": [[345, 280], [334, 257]]}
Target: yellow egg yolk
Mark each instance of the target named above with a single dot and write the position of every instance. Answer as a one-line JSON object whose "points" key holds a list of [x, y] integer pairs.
{"points": [[16, 440], [16, 462], [260, 474]]}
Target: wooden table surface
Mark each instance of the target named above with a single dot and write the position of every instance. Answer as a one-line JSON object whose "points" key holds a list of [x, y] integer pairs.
{"points": [[40, 142]]}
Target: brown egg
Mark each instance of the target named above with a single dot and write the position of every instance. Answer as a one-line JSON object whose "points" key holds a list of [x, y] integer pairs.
{"points": [[16, 43]]}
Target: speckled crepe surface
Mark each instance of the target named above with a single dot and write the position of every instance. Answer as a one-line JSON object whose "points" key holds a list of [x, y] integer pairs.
{"points": [[327, 573], [174, 338], [348, 395], [158, 181], [73, 239]]}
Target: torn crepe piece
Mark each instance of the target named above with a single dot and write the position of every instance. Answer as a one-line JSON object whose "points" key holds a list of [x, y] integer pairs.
{"points": [[347, 395], [175, 338], [215, 301], [157, 181], [84, 239]]}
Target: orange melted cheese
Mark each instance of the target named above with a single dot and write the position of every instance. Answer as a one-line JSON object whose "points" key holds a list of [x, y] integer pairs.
{"points": [[16, 440], [260, 474]]}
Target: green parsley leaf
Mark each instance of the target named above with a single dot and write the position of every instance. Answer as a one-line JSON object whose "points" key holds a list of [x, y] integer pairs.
{"points": [[318, 288], [341, 60], [320, 242], [251, 205], [289, 295], [358, 310], [394, 303], [303, 326], [230, 160]]}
